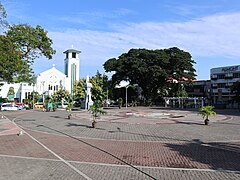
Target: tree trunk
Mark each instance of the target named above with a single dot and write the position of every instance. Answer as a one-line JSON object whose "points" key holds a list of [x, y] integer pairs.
{"points": [[93, 124], [206, 121]]}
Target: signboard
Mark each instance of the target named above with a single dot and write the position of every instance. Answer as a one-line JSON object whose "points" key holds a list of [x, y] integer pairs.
{"points": [[230, 69]]}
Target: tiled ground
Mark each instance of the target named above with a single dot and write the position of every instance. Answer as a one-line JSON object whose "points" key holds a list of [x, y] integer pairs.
{"points": [[53, 147]]}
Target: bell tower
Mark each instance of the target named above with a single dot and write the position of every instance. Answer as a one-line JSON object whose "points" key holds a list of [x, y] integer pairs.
{"points": [[71, 66]]}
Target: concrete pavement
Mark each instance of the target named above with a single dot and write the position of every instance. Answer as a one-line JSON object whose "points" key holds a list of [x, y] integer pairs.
{"points": [[134, 143]]}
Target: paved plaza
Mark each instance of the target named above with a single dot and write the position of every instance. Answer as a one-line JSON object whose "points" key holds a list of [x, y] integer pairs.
{"points": [[133, 143]]}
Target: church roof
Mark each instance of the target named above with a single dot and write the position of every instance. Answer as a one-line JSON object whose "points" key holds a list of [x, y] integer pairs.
{"points": [[52, 70], [72, 50]]}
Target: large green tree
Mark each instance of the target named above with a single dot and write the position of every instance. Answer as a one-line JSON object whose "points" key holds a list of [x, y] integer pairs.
{"points": [[31, 42], [20, 45], [98, 93], [61, 94], [10, 61], [3, 15], [151, 69], [78, 89]]}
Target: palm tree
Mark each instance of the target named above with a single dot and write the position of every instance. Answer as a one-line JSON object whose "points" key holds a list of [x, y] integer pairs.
{"points": [[207, 111], [96, 110]]}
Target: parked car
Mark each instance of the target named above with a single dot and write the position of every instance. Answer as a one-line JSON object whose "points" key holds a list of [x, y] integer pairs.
{"points": [[20, 106], [38, 105], [9, 107]]}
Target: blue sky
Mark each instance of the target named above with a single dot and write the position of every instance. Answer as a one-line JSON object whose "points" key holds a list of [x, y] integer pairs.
{"points": [[102, 29]]}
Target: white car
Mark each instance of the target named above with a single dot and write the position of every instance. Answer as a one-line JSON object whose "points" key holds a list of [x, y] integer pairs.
{"points": [[9, 107]]}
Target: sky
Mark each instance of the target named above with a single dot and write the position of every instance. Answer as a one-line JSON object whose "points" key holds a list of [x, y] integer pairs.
{"points": [[102, 29]]}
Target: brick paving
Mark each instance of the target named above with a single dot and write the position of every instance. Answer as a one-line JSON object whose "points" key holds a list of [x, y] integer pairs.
{"points": [[171, 146], [22, 146], [29, 169], [7, 127]]}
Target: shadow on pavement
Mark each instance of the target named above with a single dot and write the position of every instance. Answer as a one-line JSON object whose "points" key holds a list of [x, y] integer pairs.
{"points": [[218, 155], [233, 112], [74, 124], [91, 145], [55, 116]]}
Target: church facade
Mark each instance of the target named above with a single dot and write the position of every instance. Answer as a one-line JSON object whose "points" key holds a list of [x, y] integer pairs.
{"points": [[48, 81]]}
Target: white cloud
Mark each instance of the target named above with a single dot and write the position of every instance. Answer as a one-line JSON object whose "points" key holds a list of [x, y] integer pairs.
{"points": [[217, 35]]}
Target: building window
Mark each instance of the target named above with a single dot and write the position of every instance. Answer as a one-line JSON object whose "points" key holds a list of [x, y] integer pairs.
{"points": [[74, 55], [49, 87], [66, 55], [236, 75], [66, 69], [221, 76], [73, 74], [221, 85]]}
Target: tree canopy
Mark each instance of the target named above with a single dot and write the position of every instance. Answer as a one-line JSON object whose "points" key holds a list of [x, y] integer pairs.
{"points": [[3, 15], [79, 89], [20, 45], [31, 42], [151, 69], [97, 91]]}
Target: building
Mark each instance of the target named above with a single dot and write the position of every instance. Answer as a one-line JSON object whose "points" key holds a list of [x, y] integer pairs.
{"points": [[200, 88], [222, 78], [48, 81]]}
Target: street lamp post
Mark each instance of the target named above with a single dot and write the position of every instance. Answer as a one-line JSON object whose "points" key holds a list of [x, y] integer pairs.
{"points": [[126, 85], [126, 95], [123, 84]]}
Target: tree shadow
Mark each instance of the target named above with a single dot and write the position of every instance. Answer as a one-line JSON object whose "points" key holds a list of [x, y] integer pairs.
{"points": [[56, 116], [230, 112], [81, 125], [219, 156], [187, 123], [228, 123], [27, 120], [145, 136], [100, 149]]}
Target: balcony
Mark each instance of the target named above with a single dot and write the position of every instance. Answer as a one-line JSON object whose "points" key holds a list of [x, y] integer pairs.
{"points": [[228, 85], [229, 76], [214, 85], [213, 77]]}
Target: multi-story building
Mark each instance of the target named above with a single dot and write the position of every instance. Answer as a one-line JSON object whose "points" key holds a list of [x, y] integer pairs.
{"points": [[222, 78], [199, 88]]}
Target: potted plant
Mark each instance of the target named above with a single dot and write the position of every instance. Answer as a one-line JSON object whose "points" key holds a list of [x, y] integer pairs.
{"points": [[54, 102], [69, 106], [96, 110], [207, 111], [69, 109], [120, 101]]}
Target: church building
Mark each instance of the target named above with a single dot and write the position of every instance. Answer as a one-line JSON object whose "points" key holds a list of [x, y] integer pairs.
{"points": [[48, 81]]}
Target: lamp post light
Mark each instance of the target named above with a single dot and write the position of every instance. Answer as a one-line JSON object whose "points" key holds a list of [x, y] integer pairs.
{"points": [[123, 84], [126, 94], [126, 85]]}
